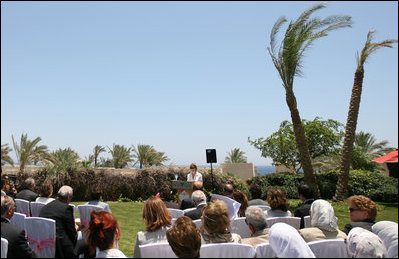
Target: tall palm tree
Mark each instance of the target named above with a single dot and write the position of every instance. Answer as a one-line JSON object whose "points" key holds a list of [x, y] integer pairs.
{"points": [[97, 151], [287, 59], [157, 159], [235, 156], [5, 157], [142, 154], [63, 161], [28, 150], [370, 145], [120, 156], [347, 149]]}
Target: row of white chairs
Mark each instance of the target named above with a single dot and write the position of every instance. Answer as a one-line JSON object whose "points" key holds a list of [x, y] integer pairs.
{"points": [[328, 248]]}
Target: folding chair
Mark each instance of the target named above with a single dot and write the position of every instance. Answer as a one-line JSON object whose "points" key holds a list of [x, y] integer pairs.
{"points": [[18, 219], [198, 223], [157, 250], [4, 247], [35, 208], [84, 215], [306, 221], [329, 248], [41, 236], [264, 251], [227, 250], [175, 213], [22, 206], [292, 221], [239, 226]]}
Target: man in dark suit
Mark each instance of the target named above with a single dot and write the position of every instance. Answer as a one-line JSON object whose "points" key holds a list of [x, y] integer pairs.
{"points": [[28, 192], [17, 244], [306, 195], [66, 229], [199, 199]]}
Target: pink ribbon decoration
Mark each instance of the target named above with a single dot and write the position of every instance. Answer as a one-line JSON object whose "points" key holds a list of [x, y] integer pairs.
{"points": [[85, 223], [40, 243]]}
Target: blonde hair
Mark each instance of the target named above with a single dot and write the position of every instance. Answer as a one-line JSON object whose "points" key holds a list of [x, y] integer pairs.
{"points": [[216, 218]]}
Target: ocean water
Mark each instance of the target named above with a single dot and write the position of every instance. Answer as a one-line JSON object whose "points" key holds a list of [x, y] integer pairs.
{"points": [[265, 169]]}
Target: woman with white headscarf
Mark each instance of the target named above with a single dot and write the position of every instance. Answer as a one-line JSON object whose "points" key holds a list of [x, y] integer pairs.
{"points": [[362, 243], [323, 223], [388, 232], [287, 243]]}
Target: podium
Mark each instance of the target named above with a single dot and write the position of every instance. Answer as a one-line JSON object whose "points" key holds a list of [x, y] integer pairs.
{"points": [[184, 189]]}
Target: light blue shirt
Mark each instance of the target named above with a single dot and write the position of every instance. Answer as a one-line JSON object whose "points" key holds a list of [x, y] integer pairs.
{"points": [[101, 204]]}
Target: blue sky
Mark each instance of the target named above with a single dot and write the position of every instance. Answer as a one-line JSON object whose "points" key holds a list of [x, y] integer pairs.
{"points": [[182, 76]]}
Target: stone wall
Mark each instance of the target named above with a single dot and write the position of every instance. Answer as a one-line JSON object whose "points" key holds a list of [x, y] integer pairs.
{"points": [[243, 170]]}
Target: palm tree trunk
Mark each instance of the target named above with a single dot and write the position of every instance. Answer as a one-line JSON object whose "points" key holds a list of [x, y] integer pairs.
{"points": [[302, 145], [350, 133]]}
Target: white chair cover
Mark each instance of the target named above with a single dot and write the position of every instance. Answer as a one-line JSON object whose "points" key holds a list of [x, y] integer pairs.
{"points": [[175, 213], [232, 205], [198, 223], [239, 226], [227, 250], [189, 209], [4, 247], [41, 236], [388, 232], [84, 215], [306, 221], [263, 207], [264, 251], [18, 219], [74, 210], [22, 206], [292, 221], [157, 250], [329, 248], [35, 208]]}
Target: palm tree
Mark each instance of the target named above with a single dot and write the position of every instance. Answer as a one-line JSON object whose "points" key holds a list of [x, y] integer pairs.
{"points": [[147, 156], [288, 62], [97, 151], [28, 151], [235, 156], [63, 161], [370, 145], [5, 157], [157, 159], [120, 156], [347, 149]]}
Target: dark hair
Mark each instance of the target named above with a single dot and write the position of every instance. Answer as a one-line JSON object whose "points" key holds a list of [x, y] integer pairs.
{"points": [[4, 181], [96, 193], [184, 238], [241, 198], [193, 166], [305, 190], [46, 189], [255, 191], [227, 188], [277, 199]]}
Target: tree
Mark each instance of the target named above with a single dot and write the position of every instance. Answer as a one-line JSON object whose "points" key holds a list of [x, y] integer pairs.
{"points": [[350, 131], [97, 151], [235, 156], [288, 61], [120, 156], [370, 145], [63, 161], [5, 157], [324, 137], [146, 155]]}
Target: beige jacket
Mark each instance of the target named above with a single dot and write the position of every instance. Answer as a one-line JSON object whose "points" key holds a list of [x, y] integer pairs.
{"points": [[312, 234], [259, 237]]}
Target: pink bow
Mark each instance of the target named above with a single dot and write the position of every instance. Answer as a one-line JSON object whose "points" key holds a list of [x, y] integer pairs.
{"points": [[85, 223], [40, 243]]}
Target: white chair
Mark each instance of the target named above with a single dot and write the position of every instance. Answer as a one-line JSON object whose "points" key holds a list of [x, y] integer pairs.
{"points": [[189, 209], [264, 251], [329, 248], [198, 223], [306, 221], [292, 221], [263, 207], [35, 208], [84, 215], [41, 236], [157, 250], [175, 213], [74, 210], [4, 247], [18, 219], [239, 226], [227, 250], [22, 206]]}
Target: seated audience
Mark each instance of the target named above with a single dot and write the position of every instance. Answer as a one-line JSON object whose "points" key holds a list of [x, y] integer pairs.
{"points": [[103, 232], [388, 232], [287, 243], [184, 238], [256, 221], [28, 190], [323, 223], [17, 244], [5, 186], [362, 243], [278, 203], [199, 200], [66, 229], [306, 196], [96, 193], [256, 196], [45, 192], [166, 196], [216, 224], [241, 198], [228, 190], [13, 191], [157, 220], [362, 211]]}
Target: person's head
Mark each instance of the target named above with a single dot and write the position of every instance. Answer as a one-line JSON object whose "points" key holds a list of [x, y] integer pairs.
{"points": [[228, 190], [362, 243], [215, 218], [7, 207], [5, 186], [277, 199], [305, 192], [193, 168], [96, 192], [166, 193], [198, 185], [155, 214], [322, 216], [362, 208], [103, 231], [198, 197], [255, 191], [184, 238], [241, 198], [65, 194], [29, 183], [255, 218], [46, 189]]}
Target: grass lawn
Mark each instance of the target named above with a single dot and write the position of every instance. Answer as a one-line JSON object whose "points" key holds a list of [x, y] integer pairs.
{"points": [[129, 216]]}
